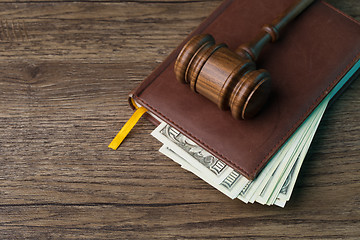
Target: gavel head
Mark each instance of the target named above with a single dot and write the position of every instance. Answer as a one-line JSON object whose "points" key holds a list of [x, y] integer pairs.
{"points": [[222, 76]]}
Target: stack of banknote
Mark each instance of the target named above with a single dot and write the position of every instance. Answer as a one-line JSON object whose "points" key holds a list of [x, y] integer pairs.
{"points": [[272, 186]]}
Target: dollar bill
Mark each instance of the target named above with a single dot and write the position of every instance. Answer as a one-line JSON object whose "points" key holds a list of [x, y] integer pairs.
{"points": [[262, 180], [231, 186], [284, 189], [281, 198], [192, 153], [287, 188], [297, 150], [273, 185]]}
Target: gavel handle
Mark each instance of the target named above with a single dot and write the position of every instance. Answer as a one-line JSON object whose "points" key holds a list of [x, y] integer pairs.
{"points": [[270, 32]]}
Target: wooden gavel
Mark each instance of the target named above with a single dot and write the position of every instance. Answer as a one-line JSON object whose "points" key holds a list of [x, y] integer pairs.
{"points": [[230, 79]]}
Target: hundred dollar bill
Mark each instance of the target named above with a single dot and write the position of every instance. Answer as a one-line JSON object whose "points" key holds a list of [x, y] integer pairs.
{"points": [[262, 180], [290, 178], [276, 170], [231, 185], [281, 198], [285, 160], [249, 193], [275, 182], [285, 192], [299, 144], [287, 188], [192, 153]]}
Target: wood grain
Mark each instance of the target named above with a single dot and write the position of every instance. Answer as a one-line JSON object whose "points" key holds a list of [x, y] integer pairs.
{"points": [[66, 70]]}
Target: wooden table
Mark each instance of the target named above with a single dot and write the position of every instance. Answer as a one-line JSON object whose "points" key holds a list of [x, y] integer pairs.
{"points": [[66, 69]]}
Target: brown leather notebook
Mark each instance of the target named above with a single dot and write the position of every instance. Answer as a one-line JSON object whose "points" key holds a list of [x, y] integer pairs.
{"points": [[309, 59]]}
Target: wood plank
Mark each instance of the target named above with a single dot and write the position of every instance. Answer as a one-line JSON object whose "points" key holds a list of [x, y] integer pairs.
{"points": [[66, 68]]}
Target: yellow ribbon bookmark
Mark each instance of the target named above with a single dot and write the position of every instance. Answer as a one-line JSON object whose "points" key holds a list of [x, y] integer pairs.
{"points": [[127, 128]]}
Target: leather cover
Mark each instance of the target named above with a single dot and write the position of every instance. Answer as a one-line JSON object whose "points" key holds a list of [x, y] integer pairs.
{"points": [[311, 56]]}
